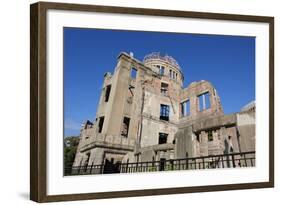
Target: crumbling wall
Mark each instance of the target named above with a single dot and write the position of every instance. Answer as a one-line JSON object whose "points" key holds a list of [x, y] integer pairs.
{"points": [[212, 136], [184, 143], [139, 100], [96, 156], [247, 130], [151, 130], [192, 92]]}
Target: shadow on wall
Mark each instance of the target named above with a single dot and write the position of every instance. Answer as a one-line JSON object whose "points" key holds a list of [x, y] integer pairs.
{"points": [[24, 195]]}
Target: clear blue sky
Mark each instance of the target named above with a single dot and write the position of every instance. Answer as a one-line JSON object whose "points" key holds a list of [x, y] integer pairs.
{"points": [[228, 62]]}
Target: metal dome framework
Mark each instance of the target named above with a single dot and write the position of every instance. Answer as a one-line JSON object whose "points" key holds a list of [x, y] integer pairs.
{"points": [[158, 56]]}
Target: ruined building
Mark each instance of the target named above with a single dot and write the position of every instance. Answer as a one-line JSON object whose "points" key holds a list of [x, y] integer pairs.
{"points": [[145, 114]]}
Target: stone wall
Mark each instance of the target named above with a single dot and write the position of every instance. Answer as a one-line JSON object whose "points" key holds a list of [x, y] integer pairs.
{"points": [[247, 130], [212, 136], [192, 92], [201, 133]]}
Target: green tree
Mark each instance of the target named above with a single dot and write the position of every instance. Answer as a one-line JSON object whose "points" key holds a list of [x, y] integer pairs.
{"points": [[70, 146]]}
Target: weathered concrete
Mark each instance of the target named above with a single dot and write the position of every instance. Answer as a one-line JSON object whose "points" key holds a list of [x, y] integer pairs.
{"points": [[247, 130], [159, 80]]}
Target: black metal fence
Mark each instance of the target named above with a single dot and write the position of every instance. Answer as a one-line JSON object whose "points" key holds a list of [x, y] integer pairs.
{"points": [[233, 160]]}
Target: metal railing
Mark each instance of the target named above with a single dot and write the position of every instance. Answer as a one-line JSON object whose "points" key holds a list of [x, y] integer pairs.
{"points": [[233, 160]]}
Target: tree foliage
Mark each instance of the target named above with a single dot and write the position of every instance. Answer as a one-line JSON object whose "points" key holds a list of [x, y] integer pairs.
{"points": [[70, 146]]}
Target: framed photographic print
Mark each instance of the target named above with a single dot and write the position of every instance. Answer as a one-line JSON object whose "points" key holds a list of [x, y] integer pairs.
{"points": [[135, 102]]}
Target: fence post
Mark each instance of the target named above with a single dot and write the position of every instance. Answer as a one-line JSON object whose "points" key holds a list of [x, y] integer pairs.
{"points": [[91, 167], [186, 161], [233, 161], [203, 163], [172, 163], [127, 164]]}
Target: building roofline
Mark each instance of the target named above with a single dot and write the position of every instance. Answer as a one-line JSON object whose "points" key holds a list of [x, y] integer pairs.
{"points": [[136, 61], [142, 63]]}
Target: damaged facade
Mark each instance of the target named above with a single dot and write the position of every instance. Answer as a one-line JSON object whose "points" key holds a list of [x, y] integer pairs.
{"points": [[145, 114]]}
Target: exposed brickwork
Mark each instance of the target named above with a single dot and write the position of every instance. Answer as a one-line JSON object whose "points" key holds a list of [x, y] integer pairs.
{"points": [[199, 133]]}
